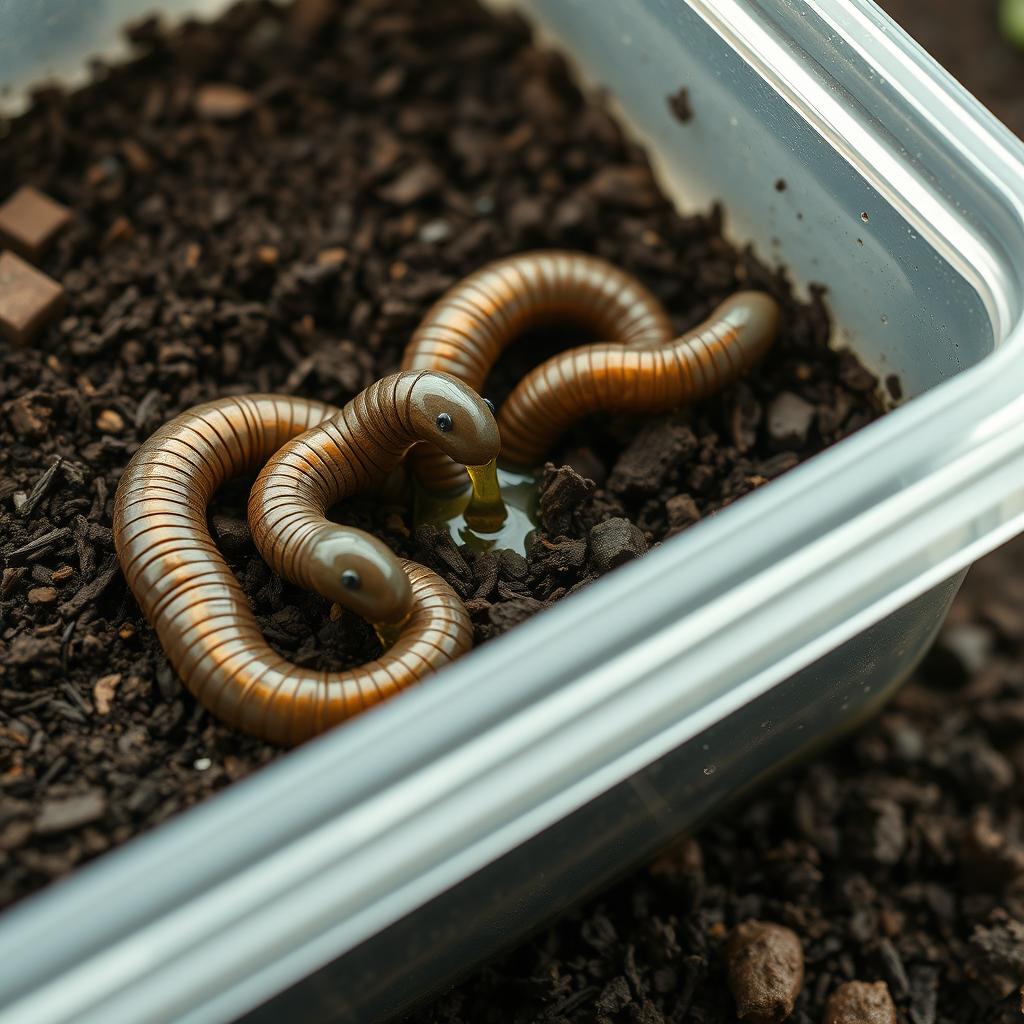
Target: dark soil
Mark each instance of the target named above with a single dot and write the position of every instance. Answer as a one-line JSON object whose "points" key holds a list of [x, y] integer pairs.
{"points": [[271, 203], [898, 858]]}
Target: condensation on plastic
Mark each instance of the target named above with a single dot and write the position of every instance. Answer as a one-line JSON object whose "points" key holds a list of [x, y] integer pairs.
{"points": [[350, 876]]}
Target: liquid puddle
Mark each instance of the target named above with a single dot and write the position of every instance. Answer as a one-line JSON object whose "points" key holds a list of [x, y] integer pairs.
{"points": [[499, 511]]}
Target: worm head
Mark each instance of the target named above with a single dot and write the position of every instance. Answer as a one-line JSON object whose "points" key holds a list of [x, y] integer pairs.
{"points": [[362, 574], [454, 418]]}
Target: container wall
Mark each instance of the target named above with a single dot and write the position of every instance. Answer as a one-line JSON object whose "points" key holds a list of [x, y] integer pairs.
{"points": [[903, 297], [627, 825]]}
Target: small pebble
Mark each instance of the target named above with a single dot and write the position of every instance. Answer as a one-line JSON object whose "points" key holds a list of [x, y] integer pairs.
{"points": [[412, 185], [970, 643], [681, 511], [221, 101], [860, 1002], [435, 231], [138, 159], [30, 221], [103, 692], [110, 422], [333, 257], [120, 230], [789, 420], [70, 812], [765, 966], [42, 595]]}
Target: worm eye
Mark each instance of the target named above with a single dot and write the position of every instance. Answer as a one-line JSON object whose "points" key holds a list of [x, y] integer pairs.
{"points": [[350, 580], [489, 404], [444, 422]]}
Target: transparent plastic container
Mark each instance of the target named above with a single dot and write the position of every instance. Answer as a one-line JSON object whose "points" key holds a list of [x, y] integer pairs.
{"points": [[365, 869]]}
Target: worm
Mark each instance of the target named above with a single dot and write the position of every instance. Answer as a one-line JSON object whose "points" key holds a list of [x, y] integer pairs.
{"points": [[469, 327], [613, 377], [346, 453], [197, 607]]}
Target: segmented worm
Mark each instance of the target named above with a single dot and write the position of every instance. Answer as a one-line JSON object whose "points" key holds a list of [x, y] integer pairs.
{"points": [[467, 329], [198, 608], [613, 377], [346, 453]]}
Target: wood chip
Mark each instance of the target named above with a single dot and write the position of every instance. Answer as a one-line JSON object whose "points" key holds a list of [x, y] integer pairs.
{"points": [[103, 692], [221, 101], [332, 257], [28, 299], [30, 220], [120, 230], [110, 422]]}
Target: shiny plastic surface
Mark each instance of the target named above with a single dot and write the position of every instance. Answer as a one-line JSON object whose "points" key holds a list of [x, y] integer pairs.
{"points": [[540, 765]]}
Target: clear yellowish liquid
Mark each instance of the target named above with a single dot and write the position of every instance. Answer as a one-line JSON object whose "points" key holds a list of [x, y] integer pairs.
{"points": [[499, 511], [486, 511]]}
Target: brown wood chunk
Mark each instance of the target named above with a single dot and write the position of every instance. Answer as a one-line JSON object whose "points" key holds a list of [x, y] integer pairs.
{"points": [[30, 221], [28, 298]]}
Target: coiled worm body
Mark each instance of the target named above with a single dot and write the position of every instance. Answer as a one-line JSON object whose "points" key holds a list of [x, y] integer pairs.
{"points": [[614, 377], [467, 329], [344, 454], [197, 607]]}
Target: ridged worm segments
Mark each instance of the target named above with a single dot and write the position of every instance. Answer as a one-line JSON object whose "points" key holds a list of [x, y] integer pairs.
{"points": [[467, 329], [197, 607], [615, 377]]}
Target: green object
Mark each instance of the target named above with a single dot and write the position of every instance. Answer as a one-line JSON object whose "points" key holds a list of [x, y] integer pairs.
{"points": [[1011, 21]]}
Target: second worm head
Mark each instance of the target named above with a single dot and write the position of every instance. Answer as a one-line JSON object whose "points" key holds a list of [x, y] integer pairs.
{"points": [[345, 454]]}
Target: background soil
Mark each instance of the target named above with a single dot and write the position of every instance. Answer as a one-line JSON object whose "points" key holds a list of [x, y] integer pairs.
{"points": [[898, 857]]}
